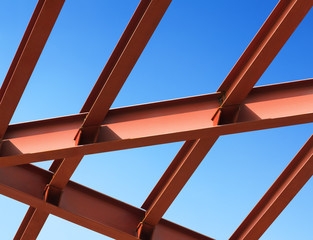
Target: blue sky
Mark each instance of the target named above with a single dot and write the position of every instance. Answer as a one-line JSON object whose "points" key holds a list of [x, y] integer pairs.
{"points": [[191, 52]]}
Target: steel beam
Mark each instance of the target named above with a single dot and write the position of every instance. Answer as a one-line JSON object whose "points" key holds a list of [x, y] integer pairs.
{"points": [[173, 180], [272, 36], [150, 124], [284, 189], [116, 54], [31, 224], [137, 40], [26, 57], [84, 206], [36, 218]]}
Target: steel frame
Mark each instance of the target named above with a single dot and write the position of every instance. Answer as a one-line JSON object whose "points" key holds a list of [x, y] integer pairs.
{"points": [[235, 107]]}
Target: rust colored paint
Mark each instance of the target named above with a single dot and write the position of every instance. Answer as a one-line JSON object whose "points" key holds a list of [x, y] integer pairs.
{"points": [[137, 40], [176, 120], [26, 57], [82, 205], [31, 224], [116, 54], [272, 36], [235, 107], [173, 180]]}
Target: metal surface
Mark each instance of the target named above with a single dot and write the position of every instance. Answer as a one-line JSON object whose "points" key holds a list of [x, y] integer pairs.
{"points": [[88, 211], [26, 57], [267, 107], [272, 36], [121, 62], [199, 121], [137, 40]]}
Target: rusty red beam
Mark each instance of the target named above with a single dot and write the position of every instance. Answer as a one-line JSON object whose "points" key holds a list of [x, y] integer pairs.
{"points": [[150, 124], [137, 40], [284, 189], [36, 218], [116, 54], [173, 180], [272, 36], [26, 57], [84, 206], [31, 224]]}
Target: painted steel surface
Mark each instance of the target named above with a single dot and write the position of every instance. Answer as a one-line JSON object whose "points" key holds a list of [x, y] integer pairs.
{"points": [[235, 107]]}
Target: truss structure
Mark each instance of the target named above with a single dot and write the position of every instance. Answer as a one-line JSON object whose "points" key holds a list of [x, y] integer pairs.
{"points": [[236, 107]]}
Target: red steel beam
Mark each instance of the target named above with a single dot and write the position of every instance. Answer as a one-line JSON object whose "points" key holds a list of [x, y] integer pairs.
{"points": [[284, 189], [173, 180], [84, 206], [137, 40], [31, 224], [26, 57], [150, 124], [116, 54], [272, 36], [36, 218]]}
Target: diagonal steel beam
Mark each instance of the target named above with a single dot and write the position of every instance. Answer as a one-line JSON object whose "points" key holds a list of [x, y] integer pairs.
{"points": [[26, 57], [176, 120], [36, 218], [172, 182], [84, 206], [272, 36], [116, 54], [31, 224], [284, 189], [122, 68]]}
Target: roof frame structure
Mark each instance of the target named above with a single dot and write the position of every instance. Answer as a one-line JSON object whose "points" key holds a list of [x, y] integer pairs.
{"points": [[235, 107]]}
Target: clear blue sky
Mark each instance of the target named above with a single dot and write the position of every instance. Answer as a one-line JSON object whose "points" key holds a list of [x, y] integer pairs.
{"points": [[191, 52]]}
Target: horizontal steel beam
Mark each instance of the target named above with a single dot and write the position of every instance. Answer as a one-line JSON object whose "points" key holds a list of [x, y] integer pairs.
{"points": [[84, 206], [26, 57], [170, 121], [284, 189]]}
